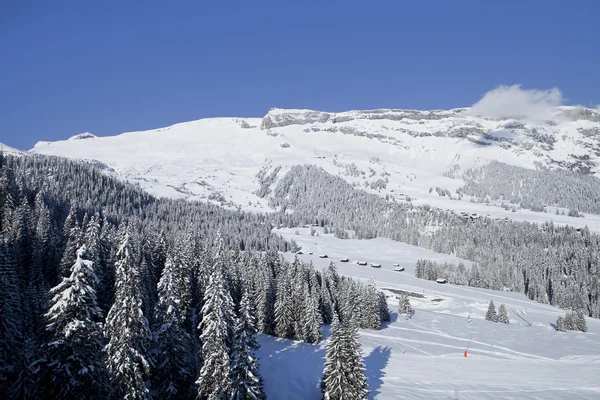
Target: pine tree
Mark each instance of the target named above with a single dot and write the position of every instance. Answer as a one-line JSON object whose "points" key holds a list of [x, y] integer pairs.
{"points": [[127, 329], [173, 358], [371, 307], [404, 306], [560, 324], [266, 303], [579, 323], [325, 305], [72, 233], [218, 318], [354, 363], [503, 315], [343, 376], [11, 313], [247, 383], [311, 319], [75, 368], [284, 311], [491, 313], [384, 311]]}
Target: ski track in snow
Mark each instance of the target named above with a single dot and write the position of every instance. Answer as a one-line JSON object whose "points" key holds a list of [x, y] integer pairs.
{"points": [[422, 358]]}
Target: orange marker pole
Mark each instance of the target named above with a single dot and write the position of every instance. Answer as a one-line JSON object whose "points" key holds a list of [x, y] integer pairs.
{"points": [[465, 354]]}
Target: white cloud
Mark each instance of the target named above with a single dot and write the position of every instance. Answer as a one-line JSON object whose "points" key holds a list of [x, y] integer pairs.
{"points": [[515, 102]]}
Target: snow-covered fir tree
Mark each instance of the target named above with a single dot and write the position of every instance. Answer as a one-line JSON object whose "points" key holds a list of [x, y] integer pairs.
{"points": [[371, 304], [127, 328], [343, 376], [218, 319], [75, 367], [11, 314], [284, 311], [503, 315], [246, 382], [491, 314], [311, 319], [572, 321], [174, 372], [404, 306]]}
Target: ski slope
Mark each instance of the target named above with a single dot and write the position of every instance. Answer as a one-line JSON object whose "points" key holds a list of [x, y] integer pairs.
{"points": [[218, 159], [422, 358]]}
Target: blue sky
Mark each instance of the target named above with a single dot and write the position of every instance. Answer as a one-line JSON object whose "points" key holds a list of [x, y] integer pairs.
{"points": [[110, 67]]}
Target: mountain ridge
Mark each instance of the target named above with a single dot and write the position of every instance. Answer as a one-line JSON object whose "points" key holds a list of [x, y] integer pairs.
{"points": [[399, 154]]}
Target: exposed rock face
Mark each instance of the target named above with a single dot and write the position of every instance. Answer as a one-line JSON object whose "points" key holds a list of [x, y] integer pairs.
{"points": [[81, 136]]}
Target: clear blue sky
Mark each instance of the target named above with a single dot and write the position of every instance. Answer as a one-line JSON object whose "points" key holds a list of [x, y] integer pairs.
{"points": [[109, 67]]}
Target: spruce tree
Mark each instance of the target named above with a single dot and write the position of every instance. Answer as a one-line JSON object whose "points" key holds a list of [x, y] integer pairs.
{"points": [[354, 364], [173, 357], [491, 313], [371, 307], [11, 314], [246, 383], [284, 311], [218, 318], [560, 324], [266, 303], [75, 368], [325, 305], [127, 329], [72, 232], [404, 307], [503, 315], [384, 311], [343, 376], [311, 319]]}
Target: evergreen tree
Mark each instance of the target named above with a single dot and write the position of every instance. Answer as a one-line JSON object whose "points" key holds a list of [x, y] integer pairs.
{"points": [[404, 306], [11, 313], [266, 303], [173, 358], [127, 329], [218, 316], [384, 311], [579, 323], [311, 319], [246, 383], [491, 313], [560, 324], [75, 368], [343, 376], [371, 307], [503, 315], [325, 305], [284, 311], [72, 233]]}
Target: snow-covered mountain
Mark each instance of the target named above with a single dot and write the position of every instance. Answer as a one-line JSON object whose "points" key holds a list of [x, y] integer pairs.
{"points": [[392, 152], [8, 150]]}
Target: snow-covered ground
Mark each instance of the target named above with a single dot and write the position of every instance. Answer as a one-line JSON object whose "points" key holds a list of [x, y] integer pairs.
{"points": [[218, 158], [422, 358]]}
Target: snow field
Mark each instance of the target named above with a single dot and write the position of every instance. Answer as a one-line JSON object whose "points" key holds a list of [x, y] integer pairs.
{"points": [[422, 358]]}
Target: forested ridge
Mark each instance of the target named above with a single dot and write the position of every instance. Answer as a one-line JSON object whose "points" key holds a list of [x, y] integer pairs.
{"points": [[533, 189], [108, 292], [549, 263]]}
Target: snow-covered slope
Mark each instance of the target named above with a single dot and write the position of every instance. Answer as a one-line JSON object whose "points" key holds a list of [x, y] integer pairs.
{"points": [[391, 152], [8, 150], [423, 358]]}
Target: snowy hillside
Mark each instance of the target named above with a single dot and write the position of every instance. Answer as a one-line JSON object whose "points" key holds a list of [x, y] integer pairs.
{"points": [[423, 357], [403, 154], [8, 150]]}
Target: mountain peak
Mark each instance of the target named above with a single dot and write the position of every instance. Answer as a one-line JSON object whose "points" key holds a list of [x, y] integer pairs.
{"points": [[85, 135]]}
